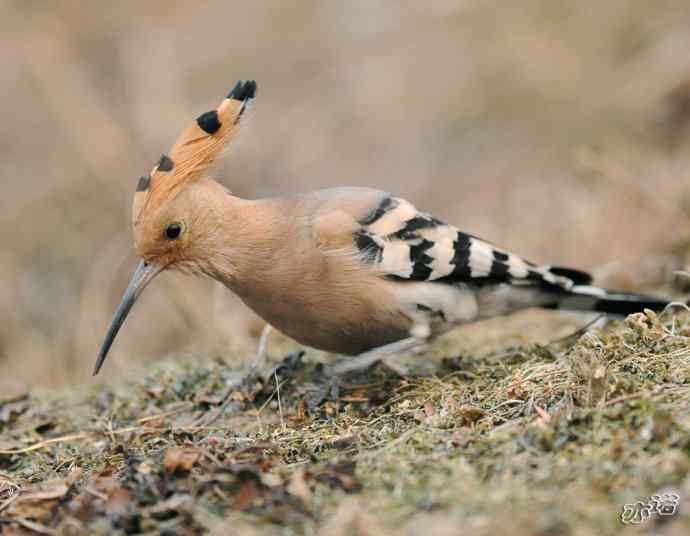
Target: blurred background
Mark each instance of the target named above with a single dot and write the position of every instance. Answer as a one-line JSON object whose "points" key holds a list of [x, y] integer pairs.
{"points": [[558, 129]]}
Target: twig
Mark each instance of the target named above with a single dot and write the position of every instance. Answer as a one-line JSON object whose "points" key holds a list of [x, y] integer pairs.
{"points": [[623, 398], [41, 444], [268, 400], [206, 420], [28, 524], [392, 444], [657, 393], [90, 435], [676, 304], [6, 504], [577, 332], [511, 401], [95, 493], [280, 404], [187, 405]]}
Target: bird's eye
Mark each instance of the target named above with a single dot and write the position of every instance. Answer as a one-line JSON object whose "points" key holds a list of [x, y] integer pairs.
{"points": [[173, 231]]}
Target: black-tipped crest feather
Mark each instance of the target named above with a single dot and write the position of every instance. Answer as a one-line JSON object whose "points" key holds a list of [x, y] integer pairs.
{"points": [[243, 90]]}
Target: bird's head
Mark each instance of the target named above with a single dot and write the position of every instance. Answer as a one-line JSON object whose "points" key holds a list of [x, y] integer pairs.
{"points": [[174, 203]]}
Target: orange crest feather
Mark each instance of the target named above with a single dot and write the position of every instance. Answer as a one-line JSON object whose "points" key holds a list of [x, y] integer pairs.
{"points": [[194, 150]]}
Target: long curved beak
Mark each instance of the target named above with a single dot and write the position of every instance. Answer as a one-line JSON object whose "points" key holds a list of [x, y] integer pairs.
{"points": [[143, 275]]}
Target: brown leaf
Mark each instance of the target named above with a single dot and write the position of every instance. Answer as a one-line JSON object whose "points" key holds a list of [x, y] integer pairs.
{"points": [[31, 528], [180, 459], [48, 491], [7, 486], [542, 413], [11, 408], [208, 398], [238, 396], [38, 503], [340, 476], [122, 509], [245, 497], [74, 475], [103, 483], [159, 421], [300, 415], [38, 510], [119, 501], [470, 414], [173, 506], [253, 453], [156, 390]]}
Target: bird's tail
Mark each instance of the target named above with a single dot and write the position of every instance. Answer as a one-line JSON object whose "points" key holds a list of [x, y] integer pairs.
{"points": [[611, 302], [582, 296]]}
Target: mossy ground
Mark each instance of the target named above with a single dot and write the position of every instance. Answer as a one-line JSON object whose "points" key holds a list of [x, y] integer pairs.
{"points": [[479, 438]]}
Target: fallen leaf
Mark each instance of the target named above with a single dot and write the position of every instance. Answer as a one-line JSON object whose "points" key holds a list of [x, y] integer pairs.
{"points": [[119, 501], [340, 476], [145, 469], [542, 413], [48, 491], [31, 526], [171, 507], [73, 476], [470, 414], [300, 415], [156, 390], [11, 408], [39, 502], [157, 421], [180, 459], [104, 483], [123, 511], [245, 497], [238, 396]]}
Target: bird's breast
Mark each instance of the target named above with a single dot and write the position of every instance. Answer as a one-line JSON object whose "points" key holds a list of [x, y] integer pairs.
{"points": [[345, 315]]}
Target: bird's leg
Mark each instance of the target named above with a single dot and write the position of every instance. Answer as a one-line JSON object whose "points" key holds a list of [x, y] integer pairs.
{"points": [[254, 368], [252, 371], [259, 361], [362, 361], [370, 357]]}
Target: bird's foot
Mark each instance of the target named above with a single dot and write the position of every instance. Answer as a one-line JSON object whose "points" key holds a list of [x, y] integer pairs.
{"points": [[383, 353], [253, 381], [333, 378]]}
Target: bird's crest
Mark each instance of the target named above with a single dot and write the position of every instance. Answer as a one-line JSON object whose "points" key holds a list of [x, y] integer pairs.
{"points": [[194, 151]]}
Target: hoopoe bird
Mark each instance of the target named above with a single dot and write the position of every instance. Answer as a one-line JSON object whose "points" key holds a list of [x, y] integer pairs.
{"points": [[353, 271]]}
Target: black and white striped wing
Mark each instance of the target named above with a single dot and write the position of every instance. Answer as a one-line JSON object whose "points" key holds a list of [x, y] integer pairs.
{"points": [[402, 242]]}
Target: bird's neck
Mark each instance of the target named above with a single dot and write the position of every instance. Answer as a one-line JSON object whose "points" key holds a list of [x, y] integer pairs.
{"points": [[250, 239]]}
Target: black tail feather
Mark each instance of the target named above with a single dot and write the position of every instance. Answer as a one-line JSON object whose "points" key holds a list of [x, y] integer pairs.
{"points": [[578, 294], [624, 304], [610, 302], [578, 277]]}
